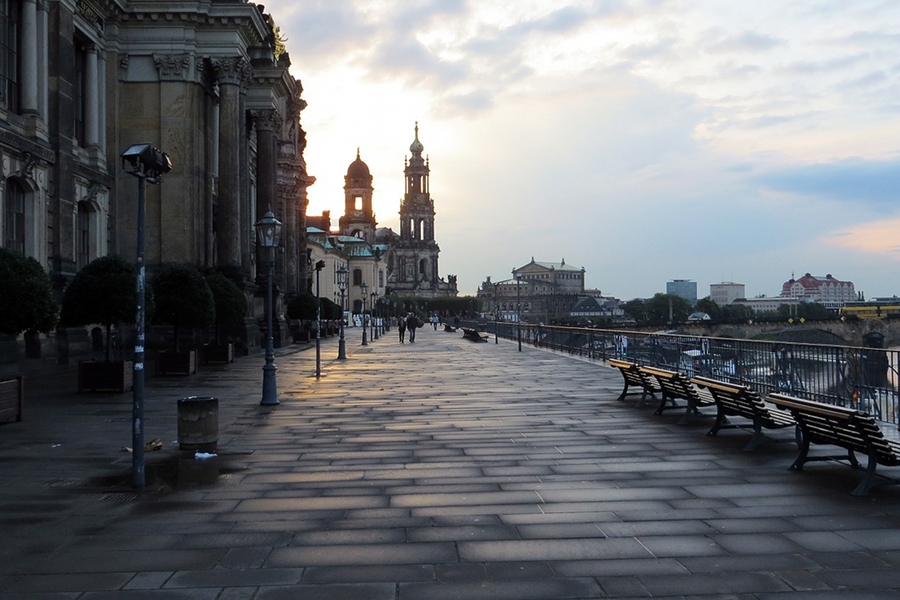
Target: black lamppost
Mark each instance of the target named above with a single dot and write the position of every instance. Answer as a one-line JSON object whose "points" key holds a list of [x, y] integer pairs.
{"points": [[268, 234], [365, 325], [519, 310], [374, 319], [319, 266], [342, 286], [148, 164]]}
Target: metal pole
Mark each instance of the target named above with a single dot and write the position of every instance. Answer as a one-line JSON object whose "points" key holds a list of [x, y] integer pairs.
{"points": [[137, 417], [518, 314], [270, 391], [342, 348], [318, 327], [364, 325]]}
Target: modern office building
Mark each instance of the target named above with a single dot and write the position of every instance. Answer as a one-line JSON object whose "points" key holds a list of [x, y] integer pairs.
{"points": [[726, 292], [683, 288]]}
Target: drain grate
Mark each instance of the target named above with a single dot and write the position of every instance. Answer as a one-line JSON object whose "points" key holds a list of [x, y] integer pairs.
{"points": [[121, 497]]}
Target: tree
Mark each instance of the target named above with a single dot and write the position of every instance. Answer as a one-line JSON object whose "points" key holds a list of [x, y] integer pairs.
{"points": [[103, 292], [230, 302], [302, 307], [183, 299], [709, 307], [637, 310], [668, 308], [331, 310], [26, 295]]}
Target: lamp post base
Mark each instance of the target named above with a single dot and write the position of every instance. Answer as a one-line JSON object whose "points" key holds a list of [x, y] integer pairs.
{"points": [[270, 385]]}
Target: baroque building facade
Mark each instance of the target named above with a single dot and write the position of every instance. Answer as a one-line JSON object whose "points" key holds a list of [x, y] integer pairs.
{"points": [[537, 291], [389, 264], [206, 82]]}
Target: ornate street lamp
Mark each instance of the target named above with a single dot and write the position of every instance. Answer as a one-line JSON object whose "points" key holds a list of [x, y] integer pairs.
{"points": [[268, 234], [342, 286], [148, 164], [365, 325]]}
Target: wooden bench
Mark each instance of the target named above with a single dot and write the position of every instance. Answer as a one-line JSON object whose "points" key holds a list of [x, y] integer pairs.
{"points": [[636, 378], [473, 334], [676, 386], [449, 328], [847, 428], [12, 391], [733, 400]]}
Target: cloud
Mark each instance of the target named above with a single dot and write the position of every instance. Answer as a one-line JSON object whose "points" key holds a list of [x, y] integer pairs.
{"points": [[745, 41], [867, 182]]}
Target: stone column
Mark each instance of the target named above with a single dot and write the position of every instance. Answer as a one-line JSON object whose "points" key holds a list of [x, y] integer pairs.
{"points": [[29, 71], [91, 99], [229, 75], [266, 122]]}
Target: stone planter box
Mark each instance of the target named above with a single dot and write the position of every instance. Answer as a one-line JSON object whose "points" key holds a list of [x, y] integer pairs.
{"points": [[103, 376], [219, 353], [12, 395], [176, 363]]}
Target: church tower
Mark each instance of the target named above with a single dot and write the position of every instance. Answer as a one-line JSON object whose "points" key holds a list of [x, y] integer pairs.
{"points": [[416, 253], [358, 219]]}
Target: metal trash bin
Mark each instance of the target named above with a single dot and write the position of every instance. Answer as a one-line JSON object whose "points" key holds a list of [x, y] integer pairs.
{"points": [[198, 424]]}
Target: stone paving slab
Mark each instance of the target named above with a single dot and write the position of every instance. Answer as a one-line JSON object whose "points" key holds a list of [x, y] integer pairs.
{"points": [[443, 469]]}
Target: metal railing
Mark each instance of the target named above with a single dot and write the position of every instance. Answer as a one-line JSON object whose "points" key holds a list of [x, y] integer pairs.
{"points": [[859, 377]]}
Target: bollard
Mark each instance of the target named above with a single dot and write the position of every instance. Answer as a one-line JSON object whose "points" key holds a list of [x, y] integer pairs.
{"points": [[198, 424]]}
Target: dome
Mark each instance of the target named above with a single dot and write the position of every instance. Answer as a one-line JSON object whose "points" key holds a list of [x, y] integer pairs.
{"points": [[358, 169], [416, 147]]}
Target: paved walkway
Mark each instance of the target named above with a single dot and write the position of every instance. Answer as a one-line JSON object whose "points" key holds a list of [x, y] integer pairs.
{"points": [[443, 469]]}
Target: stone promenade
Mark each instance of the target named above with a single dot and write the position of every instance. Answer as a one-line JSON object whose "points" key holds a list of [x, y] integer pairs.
{"points": [[440, 470]]}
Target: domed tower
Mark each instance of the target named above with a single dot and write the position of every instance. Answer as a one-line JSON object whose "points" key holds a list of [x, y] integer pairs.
{"points": [[415, 261], [358, 219]]}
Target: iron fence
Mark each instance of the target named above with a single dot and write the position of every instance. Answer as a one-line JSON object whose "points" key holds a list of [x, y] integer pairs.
{"points": [[858, 377]]}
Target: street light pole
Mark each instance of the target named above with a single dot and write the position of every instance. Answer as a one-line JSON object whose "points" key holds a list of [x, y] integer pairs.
{"points": [[519, 310], [342, 286], [147, 163], [319, 266], [374, 319], [268, 232], [365, 326]]}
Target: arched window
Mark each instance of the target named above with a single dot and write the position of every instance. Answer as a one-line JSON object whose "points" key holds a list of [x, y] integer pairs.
{"points": [[357, 276], [423, 267], [14, 217]]}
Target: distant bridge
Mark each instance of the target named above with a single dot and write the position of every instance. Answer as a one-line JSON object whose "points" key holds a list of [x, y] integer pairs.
{"points": [[822, 331]]}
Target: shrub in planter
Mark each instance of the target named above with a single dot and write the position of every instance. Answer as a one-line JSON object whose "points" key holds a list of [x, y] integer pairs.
{"points": [[26, 304], [103, 292], [230, 308], [26, 295], [303, 308], [183, 300]]}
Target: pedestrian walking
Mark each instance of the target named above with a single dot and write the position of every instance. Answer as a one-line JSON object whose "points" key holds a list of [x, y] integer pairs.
{"points": [[434, 321], [412, 323], [401, 327]]}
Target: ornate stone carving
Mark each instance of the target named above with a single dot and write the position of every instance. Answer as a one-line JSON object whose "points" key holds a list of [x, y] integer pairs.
{"points": [[233, 70], [26, 167], [173, 67], [266, 120], [124, 59]]}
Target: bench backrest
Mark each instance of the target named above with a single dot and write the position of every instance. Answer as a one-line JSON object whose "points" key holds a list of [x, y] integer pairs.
{"points": [[846, 427], [673, 383], [633, 373], [738, 399]]}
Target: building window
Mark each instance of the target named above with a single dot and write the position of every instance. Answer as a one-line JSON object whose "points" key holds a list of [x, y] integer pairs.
{"points": [[14, 217], [83, 235], [10, 18], [357, 276]]}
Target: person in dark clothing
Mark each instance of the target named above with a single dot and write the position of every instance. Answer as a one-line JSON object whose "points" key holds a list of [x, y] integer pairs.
{"points": [[412, 323], [401, 327]]}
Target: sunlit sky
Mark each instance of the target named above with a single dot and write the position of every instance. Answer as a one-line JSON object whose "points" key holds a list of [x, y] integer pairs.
{"points": [[645, 140]]}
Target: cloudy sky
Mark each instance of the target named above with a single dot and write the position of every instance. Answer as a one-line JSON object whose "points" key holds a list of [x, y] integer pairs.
{"points": [[645, 140]]}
